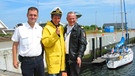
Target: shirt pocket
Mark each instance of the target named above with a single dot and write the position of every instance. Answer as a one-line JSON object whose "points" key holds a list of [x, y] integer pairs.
{"points": [[38, 35], [24, 39], [37, 39]]}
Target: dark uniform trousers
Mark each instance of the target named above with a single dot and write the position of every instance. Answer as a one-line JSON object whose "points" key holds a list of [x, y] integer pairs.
{"points": [[72, 67], [32, 66]]}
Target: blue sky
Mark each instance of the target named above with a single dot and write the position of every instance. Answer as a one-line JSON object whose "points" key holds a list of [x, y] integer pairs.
{"points": [[93, 11]]}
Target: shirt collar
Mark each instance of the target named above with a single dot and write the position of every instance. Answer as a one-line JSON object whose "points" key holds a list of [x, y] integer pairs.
{"points": [[70, 26], [28, 26]]}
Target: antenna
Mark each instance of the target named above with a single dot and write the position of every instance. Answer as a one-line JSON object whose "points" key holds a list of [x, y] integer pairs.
{"points": [[121, 16], [38, 9]]}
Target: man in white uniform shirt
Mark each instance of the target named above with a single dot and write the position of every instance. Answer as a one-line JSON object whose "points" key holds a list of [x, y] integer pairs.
{"points": [[27, 43]]}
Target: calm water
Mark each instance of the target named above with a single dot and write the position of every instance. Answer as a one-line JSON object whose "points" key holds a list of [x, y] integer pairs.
{"points": [[102, 70]]}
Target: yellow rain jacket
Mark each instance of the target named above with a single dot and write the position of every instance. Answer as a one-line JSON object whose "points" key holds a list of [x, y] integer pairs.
{"points": [[54, 48]]}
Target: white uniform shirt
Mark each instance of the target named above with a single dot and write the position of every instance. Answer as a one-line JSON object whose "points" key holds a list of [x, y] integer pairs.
{"points": [[67, 38], [29, 39]]}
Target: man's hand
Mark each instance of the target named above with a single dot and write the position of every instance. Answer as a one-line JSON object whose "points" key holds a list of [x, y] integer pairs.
{"points": [[16, 64], [58, 31], [79, 61]]}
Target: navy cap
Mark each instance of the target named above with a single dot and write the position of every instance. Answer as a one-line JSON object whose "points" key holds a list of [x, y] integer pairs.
{"points": [[57, 10]]}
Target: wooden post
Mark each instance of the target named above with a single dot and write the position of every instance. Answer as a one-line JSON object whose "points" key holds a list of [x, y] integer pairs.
{"points": [[100, 45], [93, 48]]}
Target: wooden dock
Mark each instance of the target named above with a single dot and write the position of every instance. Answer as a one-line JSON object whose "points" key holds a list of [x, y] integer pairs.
{"points": [[98, 60]]}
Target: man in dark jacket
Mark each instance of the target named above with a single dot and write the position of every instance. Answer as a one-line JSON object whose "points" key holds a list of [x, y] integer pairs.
{"points": [[75, 40]]}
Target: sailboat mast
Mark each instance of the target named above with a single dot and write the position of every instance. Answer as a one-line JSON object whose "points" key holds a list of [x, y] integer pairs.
{"points": [[125, 20], [121, 16]]}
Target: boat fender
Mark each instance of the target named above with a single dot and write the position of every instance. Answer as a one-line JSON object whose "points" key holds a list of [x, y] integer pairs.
{"points": [[120, 57]]}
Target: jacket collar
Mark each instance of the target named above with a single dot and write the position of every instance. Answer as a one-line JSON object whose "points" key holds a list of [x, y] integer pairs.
{"points": [[75, 27], [54, 24], [50, 24]]}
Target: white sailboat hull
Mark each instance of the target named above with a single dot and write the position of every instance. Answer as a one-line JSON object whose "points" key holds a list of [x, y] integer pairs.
{"points": [[123, 59]]}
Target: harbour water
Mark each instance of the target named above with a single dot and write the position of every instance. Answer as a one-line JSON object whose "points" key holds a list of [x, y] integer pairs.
{"points": [[96, 70], [102, 70]]}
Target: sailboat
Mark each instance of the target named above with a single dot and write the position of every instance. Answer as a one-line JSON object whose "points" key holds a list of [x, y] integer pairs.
{"points": [[125, 53], [115, 52]]}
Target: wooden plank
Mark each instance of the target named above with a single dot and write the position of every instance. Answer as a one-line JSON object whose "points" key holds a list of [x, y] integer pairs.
{"points": [[98, 60]]}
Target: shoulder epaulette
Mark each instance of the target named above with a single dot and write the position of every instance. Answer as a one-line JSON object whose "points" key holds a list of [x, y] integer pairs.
{"points": [[20, 24], [82, 27]]}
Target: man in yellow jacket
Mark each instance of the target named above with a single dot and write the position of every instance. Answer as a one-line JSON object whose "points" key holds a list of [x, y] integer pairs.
{"points": [[53, 41]]}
